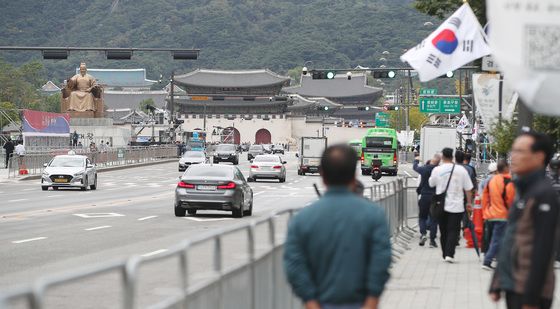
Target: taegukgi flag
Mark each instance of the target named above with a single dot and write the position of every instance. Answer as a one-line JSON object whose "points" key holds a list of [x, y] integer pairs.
{"points": [[456, 42]]}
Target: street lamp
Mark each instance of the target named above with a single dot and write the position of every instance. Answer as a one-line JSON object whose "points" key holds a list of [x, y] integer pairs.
{"points": [[304, 70]]}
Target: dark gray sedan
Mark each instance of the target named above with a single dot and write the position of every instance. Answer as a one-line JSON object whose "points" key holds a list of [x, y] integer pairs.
{"points": [[213, 187]]}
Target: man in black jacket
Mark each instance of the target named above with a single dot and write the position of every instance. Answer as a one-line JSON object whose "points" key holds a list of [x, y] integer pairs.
{"points": [[9, 147], [525, 269], [426, 192]]}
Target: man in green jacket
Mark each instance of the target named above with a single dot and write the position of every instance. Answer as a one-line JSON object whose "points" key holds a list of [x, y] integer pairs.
{"points": [[337, 253]]}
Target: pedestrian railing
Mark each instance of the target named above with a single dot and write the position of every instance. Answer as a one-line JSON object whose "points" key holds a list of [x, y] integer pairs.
{"points": [[257, 281], [33, 164]]}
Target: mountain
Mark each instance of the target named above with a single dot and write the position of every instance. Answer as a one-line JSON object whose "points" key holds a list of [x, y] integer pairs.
{"points": [[232, 34]]}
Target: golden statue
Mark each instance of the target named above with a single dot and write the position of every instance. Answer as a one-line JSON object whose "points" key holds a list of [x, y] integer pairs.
{"points": [[82, 95]]}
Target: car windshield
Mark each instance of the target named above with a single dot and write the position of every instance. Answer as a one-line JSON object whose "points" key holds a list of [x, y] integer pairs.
{"points": [[209, 171], [266, 159], [193, 154], [67, 162], [225, 148], [256, 148]]}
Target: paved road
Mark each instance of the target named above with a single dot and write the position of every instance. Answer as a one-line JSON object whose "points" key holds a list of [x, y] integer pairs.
{"points": [[45, 232]]}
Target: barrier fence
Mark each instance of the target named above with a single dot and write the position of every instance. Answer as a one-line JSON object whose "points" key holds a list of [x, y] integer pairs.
{"points": [[257, 282], [33, 164]]}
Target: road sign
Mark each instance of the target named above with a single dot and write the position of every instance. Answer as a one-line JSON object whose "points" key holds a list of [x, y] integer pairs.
{"points": [[442, 105], [489, 64], [120, 153], [381, 120], [428, 91]]}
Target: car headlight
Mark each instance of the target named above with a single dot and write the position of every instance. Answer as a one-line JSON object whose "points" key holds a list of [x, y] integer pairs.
{"points": [[78, 174], [46, 174]]}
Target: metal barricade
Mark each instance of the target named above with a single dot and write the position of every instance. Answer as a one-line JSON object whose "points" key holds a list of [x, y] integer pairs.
{"points": [[258, 282], [33, 164]]}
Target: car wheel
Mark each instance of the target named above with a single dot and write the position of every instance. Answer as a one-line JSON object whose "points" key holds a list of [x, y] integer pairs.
{"points": [[250, 211], [216, 161], [179, 211], [44, 188], [55, 188], [86, 183], [303, 173], [94, 186], [235, 162], [238, 212], [191, 211], [283, 179], [250, 179]]}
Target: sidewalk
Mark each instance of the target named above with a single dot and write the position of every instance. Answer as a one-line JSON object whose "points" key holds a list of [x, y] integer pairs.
{"points": [[420, 279]]}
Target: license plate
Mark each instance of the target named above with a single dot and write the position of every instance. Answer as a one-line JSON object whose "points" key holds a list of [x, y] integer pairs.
{"points": [[206, 188], [61, 180], [312, 169]]}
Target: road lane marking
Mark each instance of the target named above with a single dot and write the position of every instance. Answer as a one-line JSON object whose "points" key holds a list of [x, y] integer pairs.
{"points": [[30, 189], [28, 240], [407, 173], [18, 200], [98, 228], [207, 219], [154, 252], [254, 194], [99, 215], [54, 195], [147, 218]]}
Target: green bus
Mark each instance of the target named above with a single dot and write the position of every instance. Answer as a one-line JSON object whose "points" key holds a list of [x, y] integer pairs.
{"points": [[381, 144], [357, 145]]}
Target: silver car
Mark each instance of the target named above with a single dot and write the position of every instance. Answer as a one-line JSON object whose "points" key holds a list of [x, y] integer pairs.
{"points": [[191, 157], [69, 171], [268, 167], [213, 187]]}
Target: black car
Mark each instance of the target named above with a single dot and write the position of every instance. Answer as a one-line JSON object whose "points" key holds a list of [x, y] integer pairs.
{"points": [[226, 153], [254, 151], [213, 187], [278, 149]]}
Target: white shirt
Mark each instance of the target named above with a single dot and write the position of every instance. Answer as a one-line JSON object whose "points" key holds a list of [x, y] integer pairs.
{"points": [[20, 150], [460, 181]]}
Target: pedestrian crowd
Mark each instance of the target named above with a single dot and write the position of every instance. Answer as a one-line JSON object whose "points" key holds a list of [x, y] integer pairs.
{"points": [[338, 253]]}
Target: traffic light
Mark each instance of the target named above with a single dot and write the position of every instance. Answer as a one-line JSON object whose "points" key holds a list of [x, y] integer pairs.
{"points": [[390, 107], [323, 74], [384, 74], [364, 108]]}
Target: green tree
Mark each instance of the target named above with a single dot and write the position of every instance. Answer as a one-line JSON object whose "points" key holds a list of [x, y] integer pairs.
{"points": [[143, 105], [8, 113], [442, 8], [503, 133]]}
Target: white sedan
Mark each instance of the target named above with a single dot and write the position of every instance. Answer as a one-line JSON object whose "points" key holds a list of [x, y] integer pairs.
{"points": [[69, 171], [267, 167]]}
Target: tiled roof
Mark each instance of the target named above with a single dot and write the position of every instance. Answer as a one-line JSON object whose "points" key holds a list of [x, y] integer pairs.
{"points": [[234, 78], [120, 77], [339, 87], [132, 99], [50, 87]]}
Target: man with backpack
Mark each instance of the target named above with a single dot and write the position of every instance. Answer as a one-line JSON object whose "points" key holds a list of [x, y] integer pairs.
{"points": [[497, 198], [425, 221]]}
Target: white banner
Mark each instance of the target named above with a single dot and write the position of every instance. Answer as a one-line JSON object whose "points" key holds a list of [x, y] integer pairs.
{"points": [[525, 40], [486, 91], [456, 42]]}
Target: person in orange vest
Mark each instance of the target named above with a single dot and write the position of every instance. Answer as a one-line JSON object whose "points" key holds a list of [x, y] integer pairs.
{"points": [[497, 198]]}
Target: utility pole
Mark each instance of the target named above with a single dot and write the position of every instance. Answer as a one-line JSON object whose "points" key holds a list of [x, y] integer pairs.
{"points": [[172, 106], [524, 117]]}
